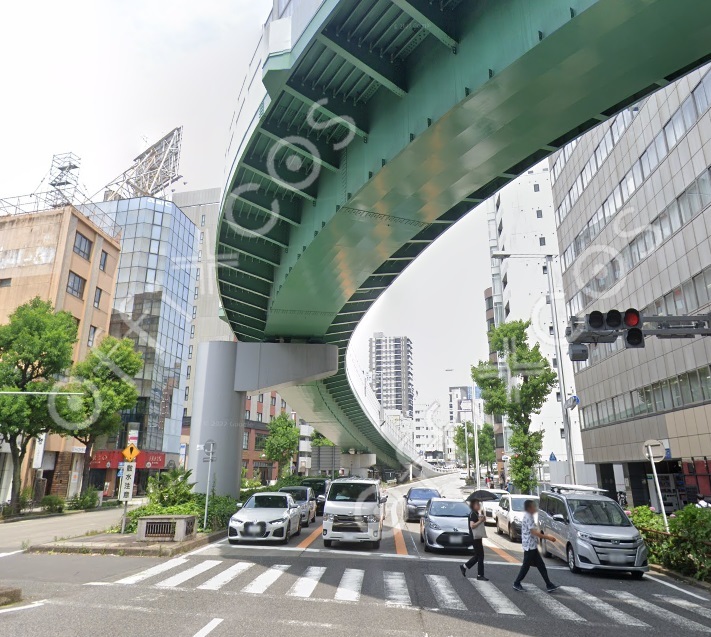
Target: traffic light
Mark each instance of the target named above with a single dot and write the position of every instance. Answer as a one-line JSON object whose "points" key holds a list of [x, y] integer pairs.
{"points": [[600, 327], [634, 337]]}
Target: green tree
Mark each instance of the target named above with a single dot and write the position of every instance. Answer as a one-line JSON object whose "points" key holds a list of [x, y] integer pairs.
{"points": [[35, 347], [106, 377], [170, 488], [282, 442], [531, 380], [461, 444], [319, 440], [487, 450]]}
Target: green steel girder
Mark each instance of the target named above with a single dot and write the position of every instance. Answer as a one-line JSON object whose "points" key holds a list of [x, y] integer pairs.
{"points": [[324, 154], [527, 78], [272, 205], [261, 168]]}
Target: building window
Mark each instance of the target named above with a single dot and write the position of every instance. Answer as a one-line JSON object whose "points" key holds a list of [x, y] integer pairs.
{"points": [[259, 417], [247, 415], [190, 352], [536, 187], [202, 237], [197, 274], [245, 440], [102, 261], [199, 255], [260, 440], [507, 309], [273, 401], [548, 299], [260, 398], [197, 292], [550, 330], [187, 393], [555, 362], [505, 280], [545, 269], [562, 433], [82, 246], [92, 336], [539, 214], [283, 404], [188, 372], [192, 331], [541, 241], [194, 311], [202, 220], [97, 297], [5, 283], [557, 397], [76, 285]]}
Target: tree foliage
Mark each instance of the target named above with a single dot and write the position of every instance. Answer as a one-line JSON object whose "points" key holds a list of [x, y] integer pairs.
{"points": [[282, 442], [170, 488], [487, 448], [319, 440], [35, 347], [518, 399]]}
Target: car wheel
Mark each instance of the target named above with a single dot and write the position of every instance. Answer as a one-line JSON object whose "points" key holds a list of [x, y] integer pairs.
{"points": [[498, 528], [544, 549], [637, 574], [233, 542], [571, 561], [509, 532], [314, 518], [298, 528], [376, 544], [308, 521], [328, 543], [287, 534]]}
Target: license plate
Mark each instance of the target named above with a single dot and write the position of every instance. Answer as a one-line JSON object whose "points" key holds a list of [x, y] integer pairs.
{"points": [[456, 540], [617, 559]]}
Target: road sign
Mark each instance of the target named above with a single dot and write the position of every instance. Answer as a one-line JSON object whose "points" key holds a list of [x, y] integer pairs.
{"points": [[130, 452], [654, 450], [127, 478], [552, 458]]}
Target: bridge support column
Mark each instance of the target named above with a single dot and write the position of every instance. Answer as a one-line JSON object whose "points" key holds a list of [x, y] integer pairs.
{"points": [[226, 372]]}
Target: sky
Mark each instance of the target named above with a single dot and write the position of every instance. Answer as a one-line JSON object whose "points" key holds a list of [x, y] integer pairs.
{"points": [[98, 77]]}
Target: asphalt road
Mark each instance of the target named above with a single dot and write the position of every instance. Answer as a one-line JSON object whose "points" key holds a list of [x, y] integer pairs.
{"points": [[306, 589]]}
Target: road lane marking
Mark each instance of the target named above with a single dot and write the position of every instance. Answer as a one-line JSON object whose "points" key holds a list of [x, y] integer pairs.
{"points": [[189, 573], [400, 546], [351, 584], [261, 583], [226, 576], [686, 605], [308, 541], [657, 611], [208, 628], [675, 587], [502, 553], [396, 590], [496, 599], [306, 584], [444, 592], [41, 602], [9, 553], [602, 607], [553, 606], [155, 570]]}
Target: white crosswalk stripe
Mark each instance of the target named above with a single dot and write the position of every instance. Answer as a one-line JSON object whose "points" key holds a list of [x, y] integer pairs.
{"points": [[226, 576], [396, 592], [306, 584], [553, 606], [704, 611], [184, 576], [496, 599], [661, 613], [602, 607], [262, 582], [155, 570], [351, 583], [444, 592]]}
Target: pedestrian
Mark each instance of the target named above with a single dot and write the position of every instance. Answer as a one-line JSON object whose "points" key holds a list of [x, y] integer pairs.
{"points": [[529, 542], [509, 486], [477, 533], [701, 501]]}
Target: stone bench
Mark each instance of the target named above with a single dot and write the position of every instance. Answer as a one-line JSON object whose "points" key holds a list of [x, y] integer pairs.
{"points": [[166, 528]]}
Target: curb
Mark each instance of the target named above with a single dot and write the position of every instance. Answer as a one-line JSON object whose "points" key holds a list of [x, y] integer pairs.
{"points": [[161, 550], [681, 578], [9, 595], [45, 516]]}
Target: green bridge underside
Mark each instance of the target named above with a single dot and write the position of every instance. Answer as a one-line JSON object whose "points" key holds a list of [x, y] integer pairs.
{"points": [[446, 102]]}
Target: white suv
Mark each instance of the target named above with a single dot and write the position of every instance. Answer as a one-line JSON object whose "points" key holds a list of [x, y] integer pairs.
{"points": [[353, 512]]}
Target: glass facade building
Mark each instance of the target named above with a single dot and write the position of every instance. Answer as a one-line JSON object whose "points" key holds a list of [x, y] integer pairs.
{"points": [[155, 287]]}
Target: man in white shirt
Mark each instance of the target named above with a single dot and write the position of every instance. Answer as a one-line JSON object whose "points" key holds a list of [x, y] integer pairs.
{"points": [[529, 542], [701, 501]]}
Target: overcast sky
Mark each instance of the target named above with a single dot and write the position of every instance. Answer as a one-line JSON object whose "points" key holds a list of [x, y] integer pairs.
{"points": [[95, 77]]}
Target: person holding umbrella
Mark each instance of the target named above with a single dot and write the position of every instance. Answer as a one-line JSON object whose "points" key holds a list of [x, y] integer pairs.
{"points": [[477, 531]]}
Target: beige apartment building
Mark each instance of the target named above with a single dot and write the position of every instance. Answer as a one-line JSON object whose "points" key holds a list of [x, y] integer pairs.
{"points": [[68, 256]]}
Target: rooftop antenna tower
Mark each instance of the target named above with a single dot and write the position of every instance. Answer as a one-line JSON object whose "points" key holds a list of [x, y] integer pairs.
{"points": [[63, 180]]}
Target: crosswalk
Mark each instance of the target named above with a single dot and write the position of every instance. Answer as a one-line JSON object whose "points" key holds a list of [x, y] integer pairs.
{"points": [[394, 588]]}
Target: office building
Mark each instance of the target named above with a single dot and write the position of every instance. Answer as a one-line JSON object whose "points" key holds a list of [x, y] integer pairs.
{"points": [[67, 256], [632, 206], [522, 224], [391, 372]]}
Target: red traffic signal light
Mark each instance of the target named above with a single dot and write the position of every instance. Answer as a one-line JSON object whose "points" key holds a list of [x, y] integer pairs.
{"points": [[632, 318]]}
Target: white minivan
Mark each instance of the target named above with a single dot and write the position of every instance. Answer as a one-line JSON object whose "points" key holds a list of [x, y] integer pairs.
{"points": [[353, 512]]}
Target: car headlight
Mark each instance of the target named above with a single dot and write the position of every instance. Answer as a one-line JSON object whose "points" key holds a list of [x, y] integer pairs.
{"points": [[370, 518], [236, 520], [583, 536], [329, 517], [279, 520], [434, 526]]}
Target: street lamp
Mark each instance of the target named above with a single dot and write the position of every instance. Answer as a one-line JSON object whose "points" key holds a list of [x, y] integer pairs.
{"points": [[500, 255]]}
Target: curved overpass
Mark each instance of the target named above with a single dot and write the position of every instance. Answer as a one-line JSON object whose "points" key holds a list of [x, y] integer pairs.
{"points": [[366, 129]]}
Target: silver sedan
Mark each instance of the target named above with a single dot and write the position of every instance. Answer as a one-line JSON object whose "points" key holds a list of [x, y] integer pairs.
{"points": [[445, 525]]}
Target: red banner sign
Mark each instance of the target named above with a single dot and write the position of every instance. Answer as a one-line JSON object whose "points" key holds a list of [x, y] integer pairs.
{"points": [[110, 458]]}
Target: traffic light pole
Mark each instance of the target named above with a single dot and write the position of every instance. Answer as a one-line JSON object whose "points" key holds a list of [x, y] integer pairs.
{"points": [[561, 372]]}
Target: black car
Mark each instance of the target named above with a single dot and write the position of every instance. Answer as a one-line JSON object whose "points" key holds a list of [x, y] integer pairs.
{"points": [[416, 500], [320, 487]]}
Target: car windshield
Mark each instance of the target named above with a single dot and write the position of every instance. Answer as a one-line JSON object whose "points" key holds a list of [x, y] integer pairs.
{"points": [[352, 492], [449, 509], [423, 494], [517, 503], [597, 513], [298, 494], [319, 486], [266, 502]]}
